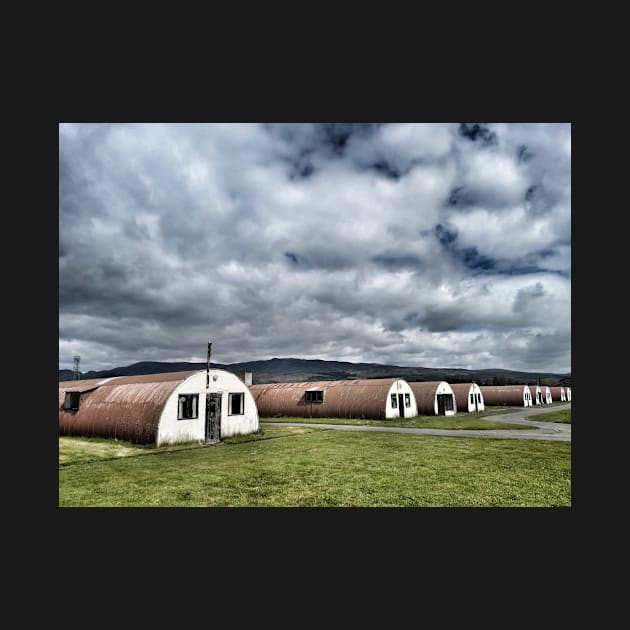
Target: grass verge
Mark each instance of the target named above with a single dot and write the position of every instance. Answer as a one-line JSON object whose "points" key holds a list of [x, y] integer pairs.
{"points": [[458, 421], [561, 415], [309, 467]]}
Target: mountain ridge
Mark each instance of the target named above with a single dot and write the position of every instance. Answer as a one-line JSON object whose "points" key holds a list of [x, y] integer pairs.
{"points": [[289, 369]]}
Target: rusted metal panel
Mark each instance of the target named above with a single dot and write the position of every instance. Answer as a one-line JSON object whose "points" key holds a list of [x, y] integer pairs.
{"points": [[124, 408], [510, 395], [426, 395], [80, 386], [558, 393], [462, 392], [365, 398]]}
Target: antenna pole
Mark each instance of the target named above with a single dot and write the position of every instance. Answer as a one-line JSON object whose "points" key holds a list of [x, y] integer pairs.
{"points": [[76, 375], [208, 367]]}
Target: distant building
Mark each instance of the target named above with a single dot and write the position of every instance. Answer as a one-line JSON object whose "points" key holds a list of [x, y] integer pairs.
{"points": [[507, 395], [537, 394], [558, 394], [468, 397], [161, 408], [377, 398], [434, 398]]}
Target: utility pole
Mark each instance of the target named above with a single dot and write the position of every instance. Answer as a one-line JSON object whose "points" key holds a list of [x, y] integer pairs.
{"points": [[208, 367], [76, 375]]}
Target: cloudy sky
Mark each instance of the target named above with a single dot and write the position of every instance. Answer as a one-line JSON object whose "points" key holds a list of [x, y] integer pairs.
{"points": [[434, 245]]}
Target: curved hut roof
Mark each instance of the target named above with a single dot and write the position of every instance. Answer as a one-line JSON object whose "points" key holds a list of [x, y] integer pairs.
{"points": [[364, 398], [461, 392], [425, 393], [503, 394], [123, 407]]}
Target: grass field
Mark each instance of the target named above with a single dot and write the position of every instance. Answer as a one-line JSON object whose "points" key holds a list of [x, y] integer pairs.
{"points": [[562, 415], [312, 467], [458, 421]]}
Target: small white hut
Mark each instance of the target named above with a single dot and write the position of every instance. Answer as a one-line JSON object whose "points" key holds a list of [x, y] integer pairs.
{"points": [[507, 395], [162, 408], [434, 398], [558, 394], [468, 397]]}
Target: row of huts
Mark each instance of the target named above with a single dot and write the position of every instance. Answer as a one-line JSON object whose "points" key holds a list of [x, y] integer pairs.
{"points": [[394, 398], [210, 404]]}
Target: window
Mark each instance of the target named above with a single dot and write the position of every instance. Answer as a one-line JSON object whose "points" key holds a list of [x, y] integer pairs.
{"points": [[314, 396], [236, 404], [71, 403], [394, 401], [188, 406], [479, 398], [407, 400], [472, 399]]}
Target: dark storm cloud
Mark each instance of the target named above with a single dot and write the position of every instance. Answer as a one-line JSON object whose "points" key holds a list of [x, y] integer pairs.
{"points": [[478, 133], [418, 244]]}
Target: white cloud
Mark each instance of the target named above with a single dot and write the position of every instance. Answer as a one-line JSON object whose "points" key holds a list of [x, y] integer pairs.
{"points": [[283, 241]]}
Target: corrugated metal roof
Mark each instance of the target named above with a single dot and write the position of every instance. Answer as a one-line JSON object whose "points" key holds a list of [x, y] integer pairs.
{"points": [[364, 398], [425, 393], [511, 395], [556, 393], [462, 393], [80, 386], [124, 408]]}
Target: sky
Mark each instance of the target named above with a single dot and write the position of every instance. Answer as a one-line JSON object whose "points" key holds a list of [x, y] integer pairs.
{"points": [[413, 244]]}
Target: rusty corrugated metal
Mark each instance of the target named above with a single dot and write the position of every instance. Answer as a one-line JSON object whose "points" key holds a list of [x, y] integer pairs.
{"points": [[557, 393], [462, 392], [365, 398], [510, 395], [426, 396], [80, 386], [124, 408]]}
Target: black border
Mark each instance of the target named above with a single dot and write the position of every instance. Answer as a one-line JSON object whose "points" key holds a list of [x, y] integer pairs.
{"points": [[276, 536]]}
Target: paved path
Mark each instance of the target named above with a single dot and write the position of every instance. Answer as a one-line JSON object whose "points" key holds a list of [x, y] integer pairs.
{"points": [[545, 430]]}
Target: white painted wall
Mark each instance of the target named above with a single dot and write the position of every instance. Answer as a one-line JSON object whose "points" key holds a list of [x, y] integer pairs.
{"points": [[475, 391], [400, 387], [528, 393], [568, 393], [535, 390], [445, 388], [547, 395], [171, 430]]}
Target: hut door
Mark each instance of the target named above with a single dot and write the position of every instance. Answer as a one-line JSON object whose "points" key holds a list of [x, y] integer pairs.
{"points": [[441, 405], [401, 405], [213, 418]]}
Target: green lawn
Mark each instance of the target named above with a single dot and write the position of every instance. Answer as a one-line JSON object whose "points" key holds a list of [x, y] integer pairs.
{"points": [[458, 421], [562, 415], [303, 467]]}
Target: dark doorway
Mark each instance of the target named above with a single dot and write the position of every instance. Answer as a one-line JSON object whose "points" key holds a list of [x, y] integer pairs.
{"points": [[213, 418], [401, 405], [445, 403]]}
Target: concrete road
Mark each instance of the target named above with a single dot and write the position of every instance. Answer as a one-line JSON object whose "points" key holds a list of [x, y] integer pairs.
{"points": [[540, 430]]}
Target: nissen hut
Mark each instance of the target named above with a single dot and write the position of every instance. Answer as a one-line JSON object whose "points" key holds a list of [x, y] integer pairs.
{"points": [[509, 395], [377, 398], [558, 394], [158, 408], [468, 397], [537, 394], [434, 398]]}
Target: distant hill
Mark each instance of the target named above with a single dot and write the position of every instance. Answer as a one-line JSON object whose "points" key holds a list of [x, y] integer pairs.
{"points": [[288, 370]]}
